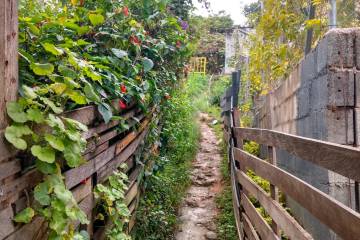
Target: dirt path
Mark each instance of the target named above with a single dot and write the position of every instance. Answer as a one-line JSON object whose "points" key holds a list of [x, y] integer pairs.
{"points": [[198, 211]]}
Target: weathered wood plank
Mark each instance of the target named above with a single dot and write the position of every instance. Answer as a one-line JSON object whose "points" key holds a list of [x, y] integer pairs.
{"points": [[8, 56], [131, 193], [9, 168], [258, 222], [287, 223], [341, 159], [341, 219], [249, 229], [76, 175], [6, 150]]}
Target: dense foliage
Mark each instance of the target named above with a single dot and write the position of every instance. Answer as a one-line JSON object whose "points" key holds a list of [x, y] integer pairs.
{"points": [[78, 53], [167, 181]]}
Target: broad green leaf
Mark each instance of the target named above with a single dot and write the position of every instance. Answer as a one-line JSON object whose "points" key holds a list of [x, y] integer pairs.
{"points": [[25, 216], [16, 112], [55, 121], [55, 142], [90, 93], [93, 75], [82, 235], [58, 88], [59, 222], [63, 194], [46, 168], [67, 72], [45, 154], [76, 96], [119, 53], [76, 124], [14, 133], [34, 30], [52, 49], [29, 92], [71, 83], [148, 64], [41, 193], [96, 19], [52, 105], [105, 111], [35, 115], [42, 69]]}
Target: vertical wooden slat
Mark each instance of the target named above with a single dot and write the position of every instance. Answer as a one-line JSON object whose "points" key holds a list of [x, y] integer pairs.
{"points": [[8, 56], [274, 192]]}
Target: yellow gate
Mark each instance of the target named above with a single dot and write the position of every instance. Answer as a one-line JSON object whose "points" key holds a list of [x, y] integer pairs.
{"points": [[198, 65]]}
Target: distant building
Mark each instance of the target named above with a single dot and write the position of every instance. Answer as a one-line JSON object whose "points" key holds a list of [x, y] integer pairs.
{"points": [[236, 52]]}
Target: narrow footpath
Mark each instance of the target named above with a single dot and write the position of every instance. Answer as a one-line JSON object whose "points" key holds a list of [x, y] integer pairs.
{"points": [[198, 211]]}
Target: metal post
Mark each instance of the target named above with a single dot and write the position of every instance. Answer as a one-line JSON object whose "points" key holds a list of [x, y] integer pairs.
{"points": [[333, 15]]}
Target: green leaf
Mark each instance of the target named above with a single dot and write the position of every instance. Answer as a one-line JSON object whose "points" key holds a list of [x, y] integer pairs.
{"points": [[67, 72], [46, 168], [119, 53], [55, 121], [148, 64], [76, 124], [59, 222], [41, 193], [16, 112], [45, 154], [29, 92], [52, 49], [76, 96], [55, 142], [58, 88], [63, 194], [52, 105], [73, 159], [42, 69], [14, 133], [90, 92], [105, 111], [25, 216], [35, 115], [93, 75], [96, 19]]}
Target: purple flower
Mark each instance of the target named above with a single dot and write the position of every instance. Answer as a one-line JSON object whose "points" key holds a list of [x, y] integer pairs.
{"points": [[184, 24]]}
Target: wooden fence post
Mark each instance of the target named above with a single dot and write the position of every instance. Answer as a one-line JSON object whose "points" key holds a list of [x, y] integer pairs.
{"points": [[8, 56], [274, 192]]}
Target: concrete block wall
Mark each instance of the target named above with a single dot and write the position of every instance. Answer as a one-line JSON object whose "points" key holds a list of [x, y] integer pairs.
{"points": [[321, 100]]}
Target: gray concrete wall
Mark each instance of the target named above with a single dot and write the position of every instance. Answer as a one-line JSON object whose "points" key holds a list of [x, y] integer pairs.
{"points": [[319, 100]]}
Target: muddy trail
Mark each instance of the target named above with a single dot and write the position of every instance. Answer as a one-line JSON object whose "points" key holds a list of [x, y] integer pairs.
{"points": [[198, 210]]}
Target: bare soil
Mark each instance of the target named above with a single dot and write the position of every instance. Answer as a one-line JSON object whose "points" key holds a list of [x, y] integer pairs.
{"points": [[198, 211]]}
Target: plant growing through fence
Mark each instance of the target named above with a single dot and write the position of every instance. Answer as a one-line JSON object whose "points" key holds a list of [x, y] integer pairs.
{"points": [[79, 53]]}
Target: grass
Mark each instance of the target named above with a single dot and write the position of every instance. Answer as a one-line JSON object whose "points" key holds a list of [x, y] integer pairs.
{"points": [[167, 183]]}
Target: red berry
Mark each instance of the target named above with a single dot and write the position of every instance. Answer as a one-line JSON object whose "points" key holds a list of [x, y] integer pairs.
{"points": [[135, 40], [167, 96], [126, 11], [122, 104], [178, 44], [123, 88]]}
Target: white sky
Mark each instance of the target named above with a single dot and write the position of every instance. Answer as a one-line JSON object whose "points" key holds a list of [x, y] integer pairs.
{"points": [[232, 7]]}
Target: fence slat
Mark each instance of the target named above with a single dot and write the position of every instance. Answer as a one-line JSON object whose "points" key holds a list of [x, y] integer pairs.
{"points": [[341, 159], [287, 223], [347, 220], [261, 226], [249, 229]]}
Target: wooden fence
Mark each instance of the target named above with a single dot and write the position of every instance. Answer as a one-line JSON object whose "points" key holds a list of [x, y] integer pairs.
{"points": [[108, 147], [344, 160]]}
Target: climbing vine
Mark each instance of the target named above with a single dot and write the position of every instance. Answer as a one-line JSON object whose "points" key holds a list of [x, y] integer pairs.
{"points": [[75, 53]]}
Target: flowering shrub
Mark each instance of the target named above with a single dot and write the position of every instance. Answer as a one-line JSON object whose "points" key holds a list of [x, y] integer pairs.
{"points": [[78, 53]]}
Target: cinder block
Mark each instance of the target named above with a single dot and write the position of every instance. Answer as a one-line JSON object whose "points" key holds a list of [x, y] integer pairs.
{"points": [[319, 93], [340, 126], [357, 48], [357, 89], [318, 124], [308, 67], [303, 101], [341, 88], [336, 49]]}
